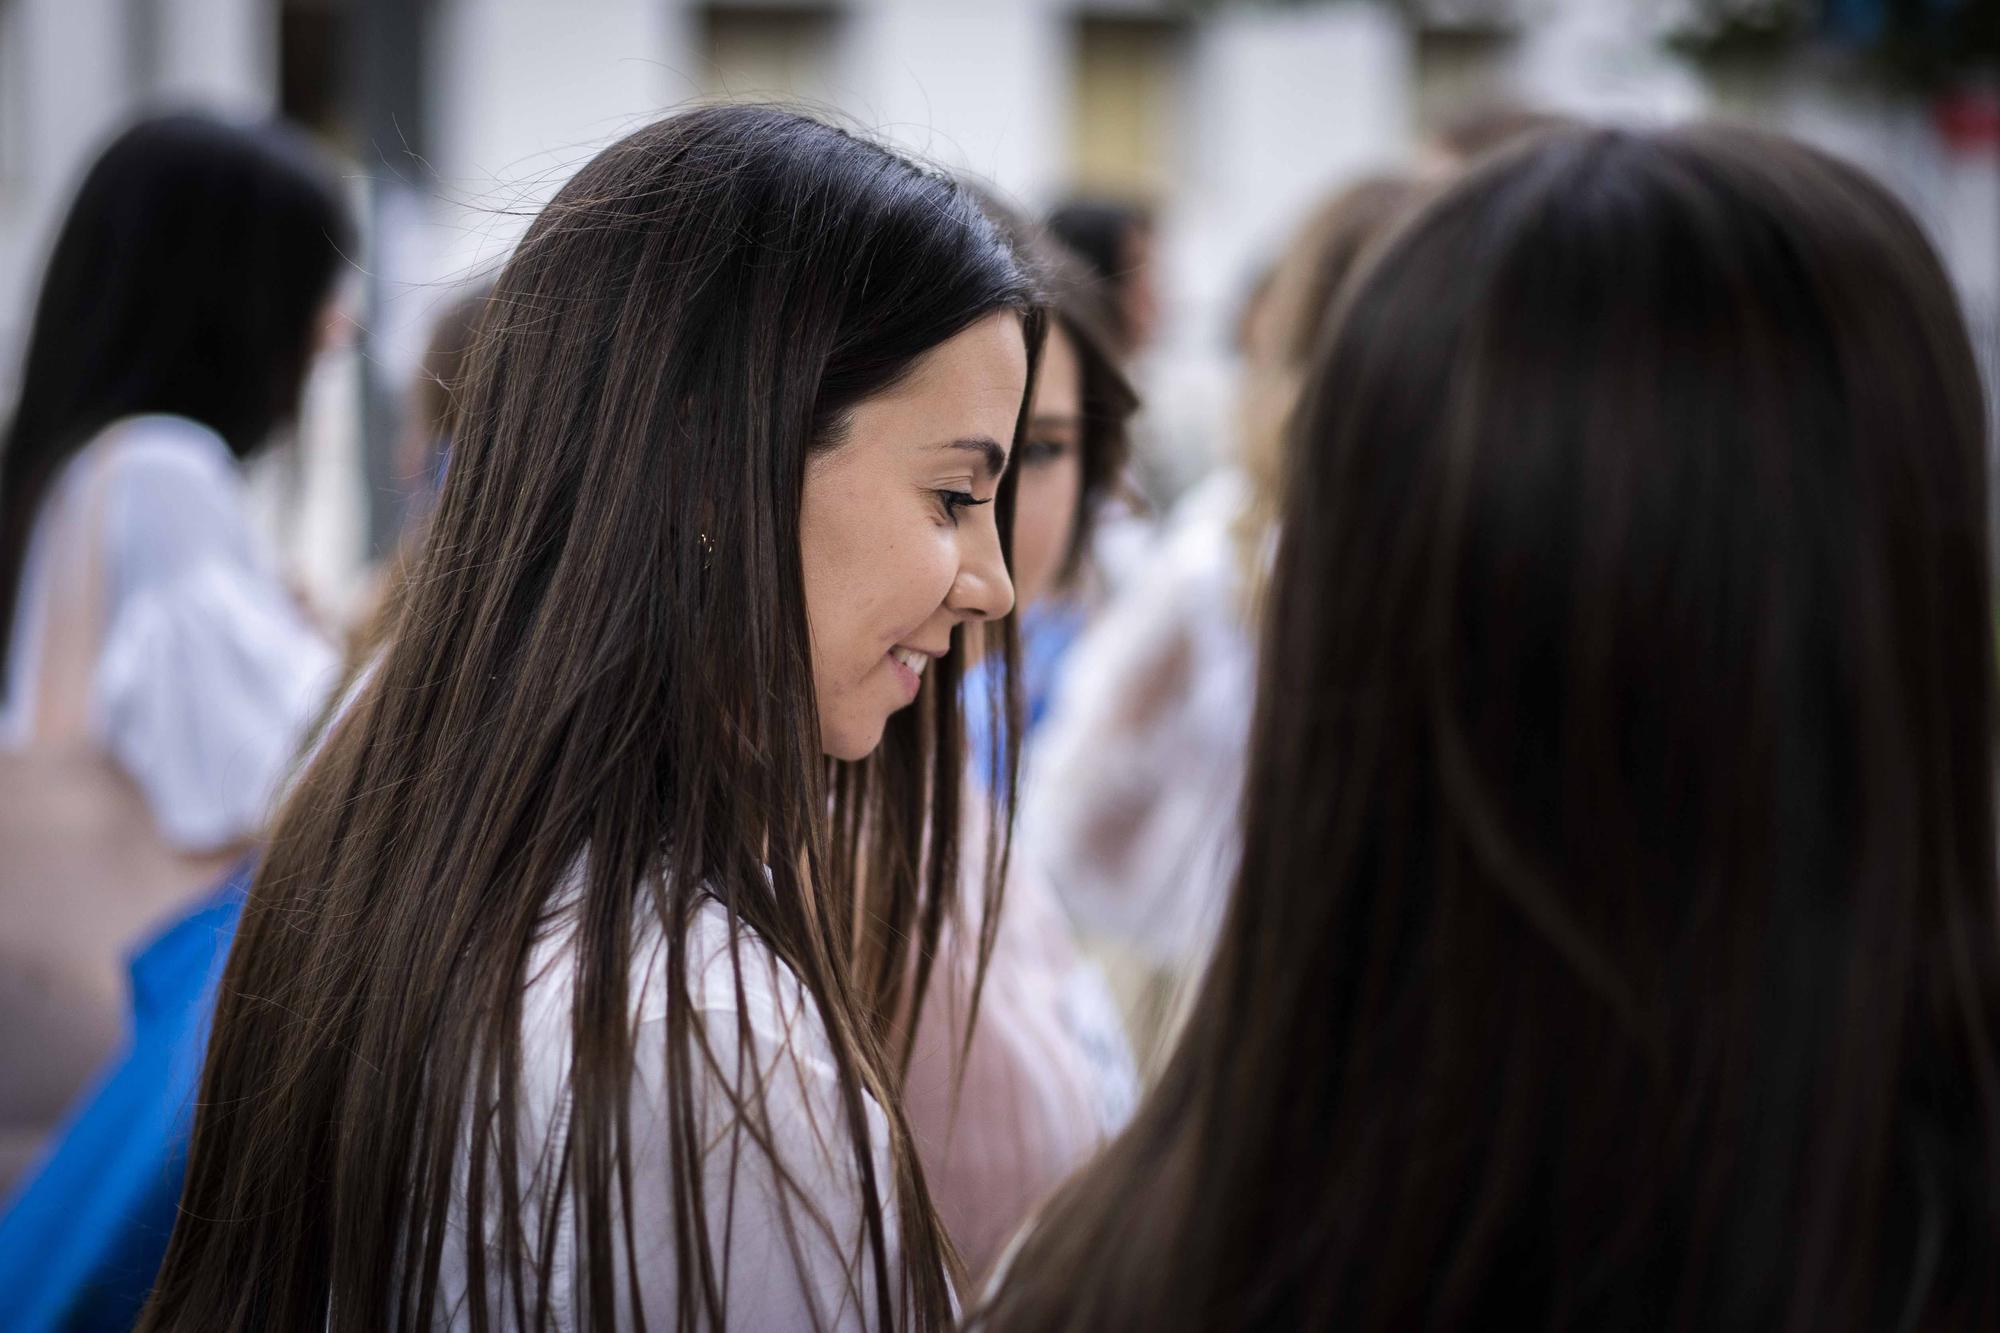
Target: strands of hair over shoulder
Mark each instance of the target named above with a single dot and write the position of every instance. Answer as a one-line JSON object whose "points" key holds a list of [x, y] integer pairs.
{"points": [[1614, 944], [186, 279], [603, 659]]}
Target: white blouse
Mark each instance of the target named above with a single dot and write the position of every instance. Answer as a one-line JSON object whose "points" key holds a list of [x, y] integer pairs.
{"points": [[207, 673], [1047, 1079], [1130, 807], [828, 1280]]}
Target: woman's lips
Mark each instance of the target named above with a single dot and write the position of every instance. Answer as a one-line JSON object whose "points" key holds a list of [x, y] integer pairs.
{"points": [[908, 665]]}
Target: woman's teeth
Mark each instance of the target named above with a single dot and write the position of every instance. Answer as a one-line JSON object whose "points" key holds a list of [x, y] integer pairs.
{"points": [[915, 661]]}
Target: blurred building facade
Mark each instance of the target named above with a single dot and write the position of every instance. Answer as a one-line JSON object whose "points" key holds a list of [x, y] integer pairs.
{"points": [[456, 118]]}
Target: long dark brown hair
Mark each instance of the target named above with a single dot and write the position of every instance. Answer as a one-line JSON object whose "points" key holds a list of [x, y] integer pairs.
{"points": [[186, 279], [1614, 944], [603, 658]]}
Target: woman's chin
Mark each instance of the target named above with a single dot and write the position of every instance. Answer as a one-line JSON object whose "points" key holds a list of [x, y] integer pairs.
{"points": [[851, 743]]}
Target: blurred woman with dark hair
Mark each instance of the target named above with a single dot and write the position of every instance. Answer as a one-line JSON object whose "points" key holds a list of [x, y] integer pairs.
{"points": [[81, 1237], [1131, 809], [1003, 1113], [1114, 240], [157, 674], [1614, 944]]}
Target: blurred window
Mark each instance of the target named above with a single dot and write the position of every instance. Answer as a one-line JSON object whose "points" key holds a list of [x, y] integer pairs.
{"points": [[770, 52], [1124, 104]]}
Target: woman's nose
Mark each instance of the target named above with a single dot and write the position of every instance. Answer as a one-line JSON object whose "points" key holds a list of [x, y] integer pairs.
{"points": [[983, 589]]}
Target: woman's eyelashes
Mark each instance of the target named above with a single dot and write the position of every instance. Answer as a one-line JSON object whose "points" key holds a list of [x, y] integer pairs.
{"points": [[950, 502]]}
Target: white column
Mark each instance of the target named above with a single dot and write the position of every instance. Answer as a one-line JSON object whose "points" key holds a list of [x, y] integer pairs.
{"points": [[1283, 106], [217, 53], [972, 85], [68, 59], [526, 91]]}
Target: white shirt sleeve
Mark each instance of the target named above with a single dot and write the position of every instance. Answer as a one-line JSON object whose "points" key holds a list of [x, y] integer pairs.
{"points": [[794, 1242], [208, 673], [787, 1230], [1046, 1079]]}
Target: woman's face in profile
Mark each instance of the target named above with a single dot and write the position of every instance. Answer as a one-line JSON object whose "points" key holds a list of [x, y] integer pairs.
{"points": [[897, 529], [1051, 467]]}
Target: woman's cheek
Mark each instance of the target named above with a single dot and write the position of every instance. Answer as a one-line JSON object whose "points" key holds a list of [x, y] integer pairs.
{"points": [[921, 573], [1044, 509]]}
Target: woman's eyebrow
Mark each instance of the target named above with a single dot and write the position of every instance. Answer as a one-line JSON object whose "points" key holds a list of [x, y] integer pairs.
{"points": [[991, 452]]}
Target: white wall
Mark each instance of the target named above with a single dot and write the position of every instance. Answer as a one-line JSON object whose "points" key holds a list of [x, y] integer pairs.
{"points": [[1281, 108], [523, 92], [218, 53], [970, 84], [71, 61]]}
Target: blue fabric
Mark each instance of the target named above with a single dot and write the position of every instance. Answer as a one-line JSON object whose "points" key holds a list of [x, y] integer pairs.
{"points": [[1047, 631], [82, 1237], [1858, 21], [1865, 22]]}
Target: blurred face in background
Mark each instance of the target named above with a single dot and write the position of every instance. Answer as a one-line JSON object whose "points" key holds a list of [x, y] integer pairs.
{"points": [[1050, 486], [1138, 288]]}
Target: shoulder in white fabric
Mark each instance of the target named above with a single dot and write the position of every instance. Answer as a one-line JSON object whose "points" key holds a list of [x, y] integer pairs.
{"points": [[823, 1280], [209, 673]]}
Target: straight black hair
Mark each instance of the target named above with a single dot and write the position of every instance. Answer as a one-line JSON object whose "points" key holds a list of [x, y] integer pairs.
{"points": [[601, 682], [1615, 942], [1080, 304], [186, 279], [1102, 233]]}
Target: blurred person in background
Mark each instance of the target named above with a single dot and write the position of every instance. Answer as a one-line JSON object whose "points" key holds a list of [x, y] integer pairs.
{"points": [[82, 1236], [1072, 468], [1615, 941], [1174, 434], [1115, 239], [157, 674], [1131, 805], [1045, 1076], [573, 987]]}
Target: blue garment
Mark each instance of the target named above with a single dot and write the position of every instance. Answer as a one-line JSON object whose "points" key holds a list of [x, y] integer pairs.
{"points": [[82, 1237], [1047, 631], [1866, 22]]}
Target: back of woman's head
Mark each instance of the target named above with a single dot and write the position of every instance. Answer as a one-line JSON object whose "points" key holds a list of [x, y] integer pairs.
{"points": [[1614, 944], [187, 278], [605, 649]]}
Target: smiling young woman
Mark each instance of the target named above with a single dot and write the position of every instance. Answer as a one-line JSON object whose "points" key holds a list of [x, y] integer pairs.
{"points": [[566, 996], [898, 537]]}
